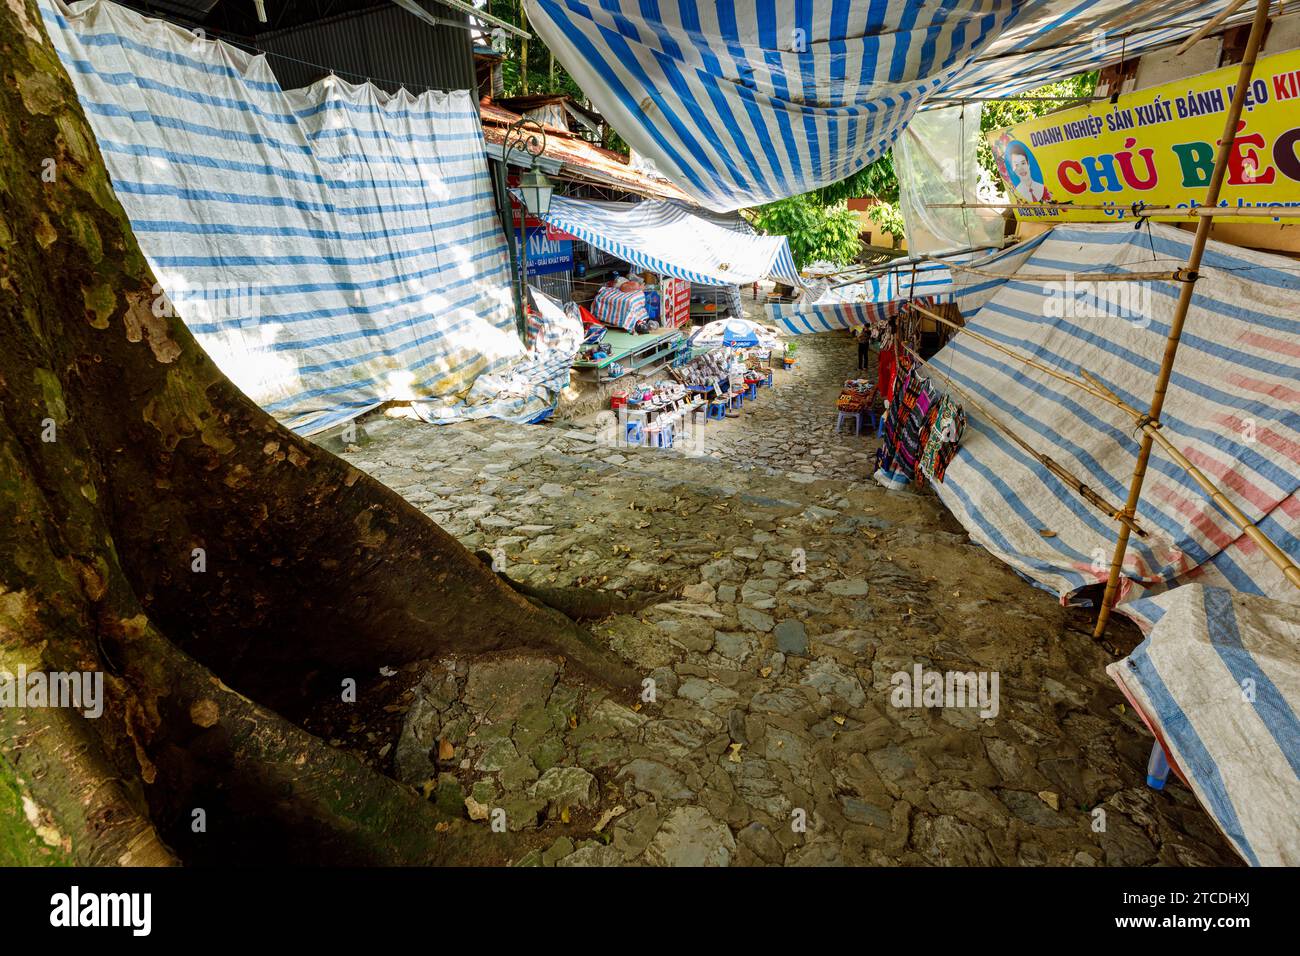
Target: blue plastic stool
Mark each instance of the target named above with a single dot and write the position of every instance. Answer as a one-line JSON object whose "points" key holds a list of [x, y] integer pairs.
{"points": [[769, 379], [752, 391], [666, 435], [717, 409], [738, 399], [634, 433], [872, 419], [855, 417]]}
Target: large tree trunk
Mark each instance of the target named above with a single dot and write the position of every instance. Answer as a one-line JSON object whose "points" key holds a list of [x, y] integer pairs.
{"points": [[123, 449]]}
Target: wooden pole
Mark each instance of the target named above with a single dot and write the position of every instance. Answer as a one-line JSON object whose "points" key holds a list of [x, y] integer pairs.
{"points": [[523, 50], [1203, 226], [1205, 31], [1275, 554], [1169, 275], [1061, 472], [1143, 212], [1093, 386]]}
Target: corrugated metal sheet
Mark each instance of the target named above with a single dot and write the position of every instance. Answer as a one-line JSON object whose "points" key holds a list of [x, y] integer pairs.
{"points": [[385, 45]]}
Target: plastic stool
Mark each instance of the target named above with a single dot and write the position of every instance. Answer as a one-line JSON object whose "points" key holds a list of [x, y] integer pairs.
{"points": [[738, 399], [752, 391], [769, 379], [635, 433], [855, 417], [666, 435], [717, 409], [872, 419]]}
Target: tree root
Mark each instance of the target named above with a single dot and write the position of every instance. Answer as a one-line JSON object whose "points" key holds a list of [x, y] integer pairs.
{"points": [[578, 604]]}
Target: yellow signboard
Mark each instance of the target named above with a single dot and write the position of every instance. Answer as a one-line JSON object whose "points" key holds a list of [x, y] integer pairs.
{"points": [[1157, 147]]}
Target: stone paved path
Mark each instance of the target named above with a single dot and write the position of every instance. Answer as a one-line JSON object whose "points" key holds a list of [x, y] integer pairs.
{"points": [[793, 593]]}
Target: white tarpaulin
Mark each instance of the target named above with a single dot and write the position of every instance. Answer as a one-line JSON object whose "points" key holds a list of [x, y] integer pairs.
{"points": [[665, 238], [1218, 682], [332, 248], [937, 162]]}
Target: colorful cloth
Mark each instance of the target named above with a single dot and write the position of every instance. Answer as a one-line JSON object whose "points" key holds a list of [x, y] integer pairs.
{"points": [[940, 439], [907, 416], [620, 310]]}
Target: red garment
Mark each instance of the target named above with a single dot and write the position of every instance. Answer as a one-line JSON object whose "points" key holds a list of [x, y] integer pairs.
{"points": [[886, 372]]}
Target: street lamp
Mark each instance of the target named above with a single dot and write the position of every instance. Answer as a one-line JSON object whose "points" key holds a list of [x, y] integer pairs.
{"points": [[535, 192]]}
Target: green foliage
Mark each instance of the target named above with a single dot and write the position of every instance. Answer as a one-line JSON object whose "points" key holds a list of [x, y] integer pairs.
{"points": [[815, 231], [876, 180], [540, 77], [889, 217], [1004, 113]]}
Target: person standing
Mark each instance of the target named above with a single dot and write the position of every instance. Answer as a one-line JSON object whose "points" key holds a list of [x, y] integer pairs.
{"points": [[864, 347]]}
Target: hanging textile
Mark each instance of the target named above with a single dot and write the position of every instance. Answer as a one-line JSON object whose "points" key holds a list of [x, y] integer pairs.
{"points": [[744, 103]]}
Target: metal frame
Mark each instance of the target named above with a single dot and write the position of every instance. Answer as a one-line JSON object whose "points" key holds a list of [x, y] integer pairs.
{"points": [[529, 137]]}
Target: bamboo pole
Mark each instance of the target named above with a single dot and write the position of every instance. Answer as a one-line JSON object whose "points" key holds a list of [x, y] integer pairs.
{"points": [[1203, 226], [1205, 31], [1033, 363], [1173, 275], [1142, 212], [1061, 472], [1275, 554], [1093, 386]]}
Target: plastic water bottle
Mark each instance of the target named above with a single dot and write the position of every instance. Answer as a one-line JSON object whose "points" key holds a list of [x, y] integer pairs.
{"points": [[1157, 767]]}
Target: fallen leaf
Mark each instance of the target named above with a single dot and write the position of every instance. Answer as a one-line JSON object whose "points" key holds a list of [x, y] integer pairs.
{"points": [[765, 672], [734, 756], [1046, 533], [445, 749], [608, 815], [838, 719], [564, 815]]}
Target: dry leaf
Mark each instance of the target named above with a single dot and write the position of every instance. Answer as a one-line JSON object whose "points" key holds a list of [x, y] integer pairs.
{"points": [[838, 719], [1046, 533], [445, 750], [734, 756], [608, 815]]}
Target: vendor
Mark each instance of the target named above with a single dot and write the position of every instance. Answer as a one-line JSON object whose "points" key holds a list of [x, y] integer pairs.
{"points": [[864, 347]]}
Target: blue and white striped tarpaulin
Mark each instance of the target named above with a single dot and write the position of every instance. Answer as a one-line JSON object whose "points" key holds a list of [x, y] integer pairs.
{"points": [[796, 318], [1218, 682], [1233, 408], [664, 237], [874, 299], [331, 248], [744, 103]]}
